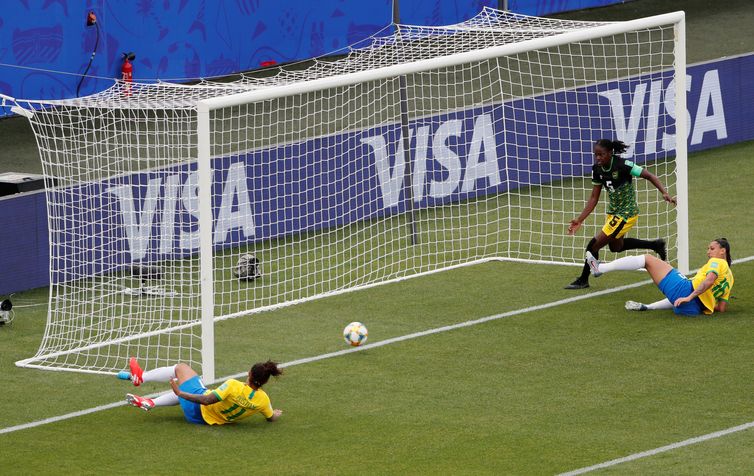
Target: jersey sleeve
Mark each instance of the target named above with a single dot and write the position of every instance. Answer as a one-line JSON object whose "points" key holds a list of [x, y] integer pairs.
{"points": [[223, 391], [267, 410], [632, 168], [717, 266], [723, 272], [723, 280], [264, 405], [595, 176]]}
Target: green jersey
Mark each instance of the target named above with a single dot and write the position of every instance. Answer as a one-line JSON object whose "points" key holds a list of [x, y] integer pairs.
{"points": [[618, 180]]}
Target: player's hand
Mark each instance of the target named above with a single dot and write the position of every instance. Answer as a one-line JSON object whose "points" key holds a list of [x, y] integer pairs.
{"points": [[680, 301], [666, 196], [573, 226], [275, 415], [174, 386]]}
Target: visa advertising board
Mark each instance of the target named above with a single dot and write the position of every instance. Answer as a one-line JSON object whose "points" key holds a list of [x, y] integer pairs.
{"points": [[345, 178]]}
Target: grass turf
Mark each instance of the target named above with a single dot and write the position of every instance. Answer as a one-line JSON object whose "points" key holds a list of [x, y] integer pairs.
{"points": [[535, 393]]}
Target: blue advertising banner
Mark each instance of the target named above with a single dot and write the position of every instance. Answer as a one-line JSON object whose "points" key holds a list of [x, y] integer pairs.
{"points": [[548, 7], [294, 188], [25, 261], [45, 46]]}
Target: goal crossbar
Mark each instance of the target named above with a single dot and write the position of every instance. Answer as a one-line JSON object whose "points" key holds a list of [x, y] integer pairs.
{"points": [[440, 62]]}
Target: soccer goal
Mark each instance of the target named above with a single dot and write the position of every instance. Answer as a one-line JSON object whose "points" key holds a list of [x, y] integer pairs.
{"points": [[176, 206]]}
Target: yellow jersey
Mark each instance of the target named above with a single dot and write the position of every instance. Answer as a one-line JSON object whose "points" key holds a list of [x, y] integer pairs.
{"points": [[237, 401], [720, 290]]}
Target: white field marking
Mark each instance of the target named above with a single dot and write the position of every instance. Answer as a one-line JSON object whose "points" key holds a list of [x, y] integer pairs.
{"points": [[661, 449], [30, 305], [61, 417], [306, 360]]}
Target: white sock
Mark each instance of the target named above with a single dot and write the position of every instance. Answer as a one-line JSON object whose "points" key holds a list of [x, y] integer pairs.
{"points": [[662, 304], [627, 263], [166, 400], [161, 374]]}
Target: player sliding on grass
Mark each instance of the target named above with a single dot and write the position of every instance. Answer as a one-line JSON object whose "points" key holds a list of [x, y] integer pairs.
{"points": [[228, 403], [708, 291], [616, 175]]}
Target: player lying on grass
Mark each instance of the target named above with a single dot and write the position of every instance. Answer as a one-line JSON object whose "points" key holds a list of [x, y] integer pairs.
{"points": [[228, 403], [708, 291], [616, 175]]}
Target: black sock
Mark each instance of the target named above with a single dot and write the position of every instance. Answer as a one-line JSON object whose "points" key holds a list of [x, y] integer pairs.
{"points": [[585, 272], [635, 243]]}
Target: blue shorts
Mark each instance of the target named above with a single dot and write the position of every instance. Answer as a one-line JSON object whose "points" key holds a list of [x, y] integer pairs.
{"points": [[675, 285], [192, 410]]}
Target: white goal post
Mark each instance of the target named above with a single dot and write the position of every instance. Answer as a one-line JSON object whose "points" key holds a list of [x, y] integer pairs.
{"points": [[425, 150]]}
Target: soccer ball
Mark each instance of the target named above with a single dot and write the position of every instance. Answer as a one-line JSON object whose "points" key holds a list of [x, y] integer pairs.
{"points": [[355, 334], [248, 268]]}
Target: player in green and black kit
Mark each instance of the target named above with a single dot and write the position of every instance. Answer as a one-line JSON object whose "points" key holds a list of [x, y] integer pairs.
{"points": [[616, 175]]}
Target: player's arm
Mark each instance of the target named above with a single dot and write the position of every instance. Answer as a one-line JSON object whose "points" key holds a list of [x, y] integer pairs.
{"points": [[647, 175], [709, 280], [594, 198], [206, 399]]}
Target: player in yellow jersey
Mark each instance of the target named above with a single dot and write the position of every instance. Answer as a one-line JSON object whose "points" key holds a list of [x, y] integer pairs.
{"points": [[707, 292], [230, 402]]}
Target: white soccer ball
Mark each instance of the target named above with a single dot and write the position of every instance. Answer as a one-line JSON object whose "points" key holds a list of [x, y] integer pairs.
{"points": [[355, 334]]}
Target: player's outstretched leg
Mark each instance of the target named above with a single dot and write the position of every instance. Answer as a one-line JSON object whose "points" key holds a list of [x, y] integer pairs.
{"points": [[658, 246], [144, 403], [662, 304], [594, 265], [138, 376], [636, 306]]}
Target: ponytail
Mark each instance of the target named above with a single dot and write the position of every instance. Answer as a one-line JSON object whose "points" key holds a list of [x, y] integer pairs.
{"points": [[723, 242], [616, 147], [260, 373]]}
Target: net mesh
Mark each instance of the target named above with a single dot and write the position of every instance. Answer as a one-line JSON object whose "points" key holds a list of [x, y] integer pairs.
{"points": [[339, 188]]}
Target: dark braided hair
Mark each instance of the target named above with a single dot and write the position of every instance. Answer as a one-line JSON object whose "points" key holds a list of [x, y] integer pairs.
{"points": [[615, 147], [261, 372], [723, 242]]}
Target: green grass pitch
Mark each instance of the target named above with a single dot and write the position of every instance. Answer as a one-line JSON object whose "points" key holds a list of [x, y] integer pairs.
{"points": [[540, 392]]}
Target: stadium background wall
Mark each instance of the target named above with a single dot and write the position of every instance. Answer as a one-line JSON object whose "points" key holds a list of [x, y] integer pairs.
{"points": [[720, 105], [50, 45]]}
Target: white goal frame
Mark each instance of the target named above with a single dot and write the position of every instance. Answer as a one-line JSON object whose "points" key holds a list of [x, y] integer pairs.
{"points": [[203, 99], [205, 106]]}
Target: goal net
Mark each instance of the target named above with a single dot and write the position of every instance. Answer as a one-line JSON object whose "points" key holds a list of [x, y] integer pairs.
{"points": [[175, 206]]}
